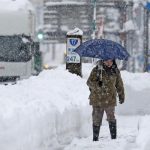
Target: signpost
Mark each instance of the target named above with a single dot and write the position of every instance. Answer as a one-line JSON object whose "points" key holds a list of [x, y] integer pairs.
{"points": [[73, 60]]}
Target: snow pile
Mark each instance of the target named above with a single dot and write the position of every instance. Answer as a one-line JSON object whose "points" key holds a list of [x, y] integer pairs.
{"points": [[137, 87], [75, 31], [46, 112], [37, 113], [143, 138]]}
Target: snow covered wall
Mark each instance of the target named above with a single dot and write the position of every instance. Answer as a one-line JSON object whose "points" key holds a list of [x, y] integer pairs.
{"points": [[137, 90], [46, 112]]}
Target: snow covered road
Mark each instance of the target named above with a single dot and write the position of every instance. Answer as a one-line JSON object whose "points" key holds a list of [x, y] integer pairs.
{"points": [[127, 131]]}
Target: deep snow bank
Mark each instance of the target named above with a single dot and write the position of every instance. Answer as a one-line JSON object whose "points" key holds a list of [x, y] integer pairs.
{"points": [[43, 112], [143, 138], [137, 87], [47, 111]]}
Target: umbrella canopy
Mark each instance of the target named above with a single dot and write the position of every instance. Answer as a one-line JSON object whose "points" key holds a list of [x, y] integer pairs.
{"points": [[103, 49]]}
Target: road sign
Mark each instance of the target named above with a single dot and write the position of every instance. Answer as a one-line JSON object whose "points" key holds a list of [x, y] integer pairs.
{"points": [[147, 6], [72, 43]]}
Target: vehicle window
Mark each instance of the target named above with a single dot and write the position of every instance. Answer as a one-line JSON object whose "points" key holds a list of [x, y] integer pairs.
{"points": [[13, 49]]}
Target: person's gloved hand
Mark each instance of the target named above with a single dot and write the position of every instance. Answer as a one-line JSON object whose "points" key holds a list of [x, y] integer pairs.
{"points": [[121, 101]]}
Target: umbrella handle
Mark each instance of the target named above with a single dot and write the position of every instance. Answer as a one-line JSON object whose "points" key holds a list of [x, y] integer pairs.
{"points": [[101, 74], [100, 68]]}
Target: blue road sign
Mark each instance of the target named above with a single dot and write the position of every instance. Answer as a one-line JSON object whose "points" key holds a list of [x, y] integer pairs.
{"points": [[73, 42], [147, 6]]}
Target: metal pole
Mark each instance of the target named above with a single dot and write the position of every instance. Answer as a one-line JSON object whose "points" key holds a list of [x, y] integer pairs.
{"points": [[94, 23], [146, 39], [94, 19]]}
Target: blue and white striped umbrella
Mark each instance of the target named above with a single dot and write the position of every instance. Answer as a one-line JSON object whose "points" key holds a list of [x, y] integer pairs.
{"points": [[103, 49]]}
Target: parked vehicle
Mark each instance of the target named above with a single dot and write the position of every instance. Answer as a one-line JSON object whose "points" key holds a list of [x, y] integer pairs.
{"points": [[17, 44]]}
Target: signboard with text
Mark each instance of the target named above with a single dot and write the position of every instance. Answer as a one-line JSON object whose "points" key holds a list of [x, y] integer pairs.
{"points": [[72, 43]]}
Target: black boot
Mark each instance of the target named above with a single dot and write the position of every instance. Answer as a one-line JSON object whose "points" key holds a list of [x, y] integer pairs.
{"points": [[95, 132], [113, 129]]}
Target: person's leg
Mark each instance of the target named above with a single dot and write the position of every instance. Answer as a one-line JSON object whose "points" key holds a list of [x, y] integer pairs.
{"points": [[97, 116], [110, 112]]}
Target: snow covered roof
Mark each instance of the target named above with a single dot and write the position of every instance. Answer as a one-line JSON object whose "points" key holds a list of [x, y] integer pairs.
{"points": [[65, 3], [15, 17], [15, 22], [15, 5]]}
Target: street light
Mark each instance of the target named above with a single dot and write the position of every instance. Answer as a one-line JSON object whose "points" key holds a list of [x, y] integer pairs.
{"points": [[40, 35]]}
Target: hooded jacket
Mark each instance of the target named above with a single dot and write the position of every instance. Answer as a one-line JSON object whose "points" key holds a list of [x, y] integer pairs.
{"points": [[104, 84]]}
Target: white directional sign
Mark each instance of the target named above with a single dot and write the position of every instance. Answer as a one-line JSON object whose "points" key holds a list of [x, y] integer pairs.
{"points": [[72, 43]]}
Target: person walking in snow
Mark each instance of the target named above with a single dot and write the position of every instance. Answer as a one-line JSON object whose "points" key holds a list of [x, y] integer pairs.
{"points": [[104, 82]]}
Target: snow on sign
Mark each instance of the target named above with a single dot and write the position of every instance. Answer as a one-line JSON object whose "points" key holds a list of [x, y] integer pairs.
{"points": [[72, 43]]}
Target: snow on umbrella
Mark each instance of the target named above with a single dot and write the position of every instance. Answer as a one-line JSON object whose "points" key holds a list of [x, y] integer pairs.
{"points": [[103, 49]]}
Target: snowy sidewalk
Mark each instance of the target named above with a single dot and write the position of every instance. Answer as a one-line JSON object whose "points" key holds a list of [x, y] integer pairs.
{"points": [[127, 132]]}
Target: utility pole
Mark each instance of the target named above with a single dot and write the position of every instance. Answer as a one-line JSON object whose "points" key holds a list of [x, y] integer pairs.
{"points": [[94, 23], [146, 38], [94, 20]]}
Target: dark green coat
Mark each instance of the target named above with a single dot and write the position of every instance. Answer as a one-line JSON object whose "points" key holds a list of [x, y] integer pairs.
{"points": [[105, 95]]}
